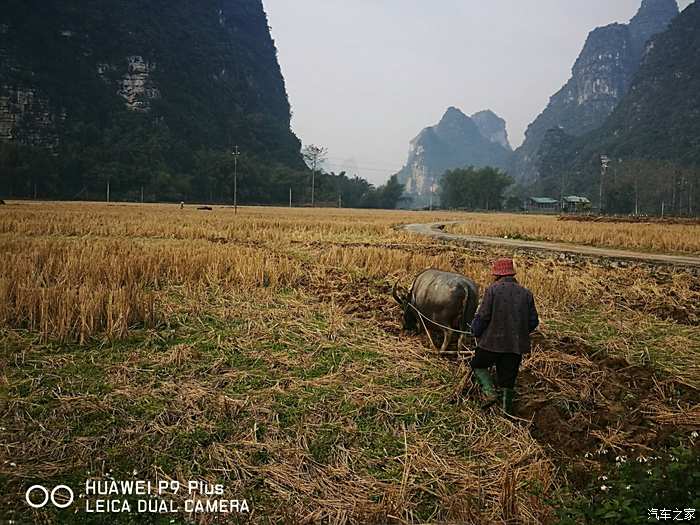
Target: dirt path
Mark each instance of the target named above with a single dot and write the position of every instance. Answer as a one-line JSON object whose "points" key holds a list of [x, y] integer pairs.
{"points": [[436, 231]]}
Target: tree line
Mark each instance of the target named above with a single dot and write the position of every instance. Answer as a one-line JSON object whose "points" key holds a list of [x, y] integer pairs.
{"points": [[629, 186], [474, 189], [143, 170]]}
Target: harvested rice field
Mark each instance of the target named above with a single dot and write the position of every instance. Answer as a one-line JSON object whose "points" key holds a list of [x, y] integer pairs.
{"points": [[669, 236], [262, 355]]}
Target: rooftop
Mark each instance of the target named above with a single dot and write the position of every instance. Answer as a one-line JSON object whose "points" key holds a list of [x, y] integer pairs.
{"points": [[576, 198], [544, 200]]}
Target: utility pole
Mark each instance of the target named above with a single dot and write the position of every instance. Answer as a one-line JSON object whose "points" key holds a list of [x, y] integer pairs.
{"points": [[141, 194], [561, 190], [235, 179], [340, 200], [290, 196], [107, 191], [690, 199], [313, 180], [604, 161]]}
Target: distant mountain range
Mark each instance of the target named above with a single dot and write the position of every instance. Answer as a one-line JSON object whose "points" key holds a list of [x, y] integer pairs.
{"points": [[148, 98], [659, 117], [652, 138], [601, 76], [454, 142]]}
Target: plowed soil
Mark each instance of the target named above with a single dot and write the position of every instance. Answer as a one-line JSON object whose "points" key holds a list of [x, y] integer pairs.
{"points": [[587, 409]]}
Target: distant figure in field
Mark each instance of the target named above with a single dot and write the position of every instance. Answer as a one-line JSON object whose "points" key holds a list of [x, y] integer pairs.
{"points": [[502, 325], [182, 205]]}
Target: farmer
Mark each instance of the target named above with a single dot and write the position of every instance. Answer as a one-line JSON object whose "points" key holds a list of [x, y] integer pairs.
{"points": [[502, 325]]}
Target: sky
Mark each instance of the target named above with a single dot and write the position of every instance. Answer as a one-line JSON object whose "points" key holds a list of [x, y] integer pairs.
{"points": [[365, 76]]}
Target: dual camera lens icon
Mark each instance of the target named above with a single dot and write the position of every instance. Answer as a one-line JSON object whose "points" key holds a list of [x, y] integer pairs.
{"points": [[32, 495]]}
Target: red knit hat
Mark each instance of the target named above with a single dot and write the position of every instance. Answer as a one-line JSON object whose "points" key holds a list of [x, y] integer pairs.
{"points": [[503, 268]]}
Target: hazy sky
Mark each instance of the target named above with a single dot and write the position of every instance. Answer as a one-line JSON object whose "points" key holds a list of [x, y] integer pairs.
{"points": [[365, 76]]}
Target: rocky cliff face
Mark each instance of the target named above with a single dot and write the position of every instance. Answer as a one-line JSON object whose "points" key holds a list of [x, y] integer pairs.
{"points": [[137, 87], [492, 127], [652, 18], [657, 120], [600, 77], [26, 117], [456, 141], [203, 73]]}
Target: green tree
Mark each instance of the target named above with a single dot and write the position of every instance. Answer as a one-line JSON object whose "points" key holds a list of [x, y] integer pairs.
{"points": [[472, 188], [313, 156], [390, 193]]}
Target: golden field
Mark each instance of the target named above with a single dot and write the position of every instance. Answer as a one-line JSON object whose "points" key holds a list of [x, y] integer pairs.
{"points": [[645, 237], [263, 351]]}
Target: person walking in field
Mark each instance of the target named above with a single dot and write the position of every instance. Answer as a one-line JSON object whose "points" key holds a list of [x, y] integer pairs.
{"points": [[502, 325]]}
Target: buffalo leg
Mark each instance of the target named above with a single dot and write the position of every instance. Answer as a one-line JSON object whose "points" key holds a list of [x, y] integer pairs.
{"points": [[446, 340]]}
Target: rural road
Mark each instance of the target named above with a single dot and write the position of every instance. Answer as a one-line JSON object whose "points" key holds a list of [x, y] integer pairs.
{"points": [[435, 230]]}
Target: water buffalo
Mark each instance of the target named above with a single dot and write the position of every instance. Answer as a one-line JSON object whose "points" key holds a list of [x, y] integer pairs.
{"points": [[447, 299]]}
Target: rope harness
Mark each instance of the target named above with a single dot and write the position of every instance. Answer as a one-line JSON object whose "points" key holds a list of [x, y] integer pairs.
{"points": [[423, 316]]}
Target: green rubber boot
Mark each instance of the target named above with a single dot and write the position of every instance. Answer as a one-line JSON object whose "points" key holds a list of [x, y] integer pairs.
{"points": [[508, 396], [484, 379]]}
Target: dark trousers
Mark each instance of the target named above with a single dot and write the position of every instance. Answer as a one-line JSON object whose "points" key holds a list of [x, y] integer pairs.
{"points": [[507, 365]]}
